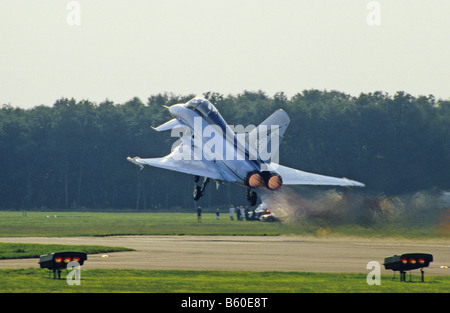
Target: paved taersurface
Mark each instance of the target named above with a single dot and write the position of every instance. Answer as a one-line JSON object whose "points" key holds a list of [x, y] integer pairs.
{"points": [[245, 253]]}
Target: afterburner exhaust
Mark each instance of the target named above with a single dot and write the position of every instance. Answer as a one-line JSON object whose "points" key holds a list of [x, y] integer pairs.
{"points": [[271, 181], [254, 180], [275, 182]]}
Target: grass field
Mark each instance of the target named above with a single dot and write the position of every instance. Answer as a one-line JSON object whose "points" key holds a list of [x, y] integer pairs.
{"points": [[169, 281], [30, 250], [103, 224], [15, 223]]}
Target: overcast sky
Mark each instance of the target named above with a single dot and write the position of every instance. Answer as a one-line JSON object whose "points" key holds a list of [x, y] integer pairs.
{"points": [[128, 48]]}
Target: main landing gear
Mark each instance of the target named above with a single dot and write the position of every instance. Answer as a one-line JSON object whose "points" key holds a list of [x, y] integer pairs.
{"points": [[251, 197], [199, 191]]}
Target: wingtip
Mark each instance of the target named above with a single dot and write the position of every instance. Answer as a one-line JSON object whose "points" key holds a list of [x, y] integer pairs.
{"points": [[354, 183], [134, 161]]}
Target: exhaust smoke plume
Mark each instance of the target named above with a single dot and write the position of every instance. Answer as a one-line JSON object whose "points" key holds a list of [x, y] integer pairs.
{"points": [[327, 208]]}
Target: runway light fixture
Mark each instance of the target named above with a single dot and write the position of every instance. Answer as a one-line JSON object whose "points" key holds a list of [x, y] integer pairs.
{"points": [[57, 261], [407, 262]]}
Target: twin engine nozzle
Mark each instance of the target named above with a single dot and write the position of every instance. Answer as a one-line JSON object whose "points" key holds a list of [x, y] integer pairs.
{"points": [[271, 181]]}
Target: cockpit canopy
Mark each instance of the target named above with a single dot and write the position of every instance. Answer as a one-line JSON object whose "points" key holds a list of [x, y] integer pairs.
{"points": [[203, 106], [207, 111]]}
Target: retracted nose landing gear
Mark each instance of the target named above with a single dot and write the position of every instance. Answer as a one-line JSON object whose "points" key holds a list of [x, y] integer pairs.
{"points": [[199, 191]]}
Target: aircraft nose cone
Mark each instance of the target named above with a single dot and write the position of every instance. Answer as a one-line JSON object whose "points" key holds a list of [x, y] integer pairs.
{"points": [[172, 110], [175, 109]]}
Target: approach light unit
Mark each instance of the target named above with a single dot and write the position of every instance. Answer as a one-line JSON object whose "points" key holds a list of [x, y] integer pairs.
{"points": [[407, 262], [57, 261]]}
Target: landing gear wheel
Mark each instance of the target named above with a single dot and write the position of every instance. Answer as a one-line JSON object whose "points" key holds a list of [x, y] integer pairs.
{"points": [[252, 198], [197, 193]]}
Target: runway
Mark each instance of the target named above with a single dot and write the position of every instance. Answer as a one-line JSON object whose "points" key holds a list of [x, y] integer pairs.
{"points": [[245, 253]]}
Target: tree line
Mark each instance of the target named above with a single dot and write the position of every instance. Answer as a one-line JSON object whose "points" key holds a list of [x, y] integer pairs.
{"points": [[72, 154]]}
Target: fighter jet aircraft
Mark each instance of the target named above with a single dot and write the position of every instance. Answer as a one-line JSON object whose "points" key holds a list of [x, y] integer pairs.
{"points": [[210, 148]]}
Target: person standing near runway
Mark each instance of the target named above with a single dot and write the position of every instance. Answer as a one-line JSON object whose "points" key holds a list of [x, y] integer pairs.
{"points": [[199, 214], [231, 212]]}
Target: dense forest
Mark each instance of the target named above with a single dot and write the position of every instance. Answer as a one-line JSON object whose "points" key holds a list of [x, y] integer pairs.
{"points": [[72, 154]]}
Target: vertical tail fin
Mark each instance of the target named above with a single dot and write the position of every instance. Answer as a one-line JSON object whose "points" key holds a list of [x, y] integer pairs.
{"points": [[269, 134]]}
